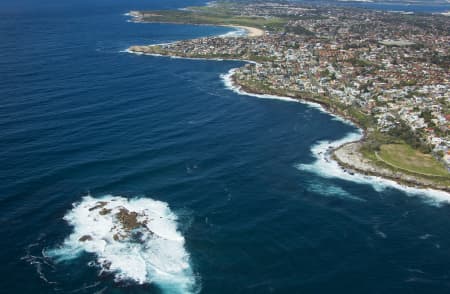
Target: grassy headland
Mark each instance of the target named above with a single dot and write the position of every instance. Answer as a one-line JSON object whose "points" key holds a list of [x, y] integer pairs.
{"points": [[398, 153], [379, 150], [212, 15]]}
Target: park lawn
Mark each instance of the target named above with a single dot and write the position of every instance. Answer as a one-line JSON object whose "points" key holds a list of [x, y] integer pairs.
{"points": [[189, 17], [406, 158]]}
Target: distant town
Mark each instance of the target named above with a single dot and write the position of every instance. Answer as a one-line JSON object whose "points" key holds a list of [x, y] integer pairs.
{"points": [[387, 72]]}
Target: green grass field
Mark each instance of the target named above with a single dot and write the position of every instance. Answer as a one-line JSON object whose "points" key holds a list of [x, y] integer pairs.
{"points": [[403, 157], [216, 18]]}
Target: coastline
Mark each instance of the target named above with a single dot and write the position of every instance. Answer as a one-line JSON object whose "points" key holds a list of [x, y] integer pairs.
{"points": [[349, 157], [334, 153], [251, 31], [325, 166], [330, 152]]}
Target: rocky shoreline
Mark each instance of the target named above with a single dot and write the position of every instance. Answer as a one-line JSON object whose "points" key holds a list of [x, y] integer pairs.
{"points": [[305, 98], [348, 155]]}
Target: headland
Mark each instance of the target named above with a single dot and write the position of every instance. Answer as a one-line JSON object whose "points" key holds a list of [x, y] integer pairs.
{"points": [[386, 73]]}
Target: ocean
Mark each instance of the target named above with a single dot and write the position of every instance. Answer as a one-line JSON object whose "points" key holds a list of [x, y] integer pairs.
{"points": [[235, 188]]}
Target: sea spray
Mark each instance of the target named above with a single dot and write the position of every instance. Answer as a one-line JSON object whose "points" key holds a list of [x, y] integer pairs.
{"points": [[325, 166], [136, 240], [238, 32], [229, 84]]}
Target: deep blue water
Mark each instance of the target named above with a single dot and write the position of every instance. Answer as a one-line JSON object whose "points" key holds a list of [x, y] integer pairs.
{"points": [[77, 114]]}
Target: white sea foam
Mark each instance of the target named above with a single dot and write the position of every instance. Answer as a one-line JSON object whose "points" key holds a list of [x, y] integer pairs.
{"points": [[181, 57], [328, 190], [238, 32], [228, 81], [153, 252], [328, 168], [39, 262], [324, 165]]}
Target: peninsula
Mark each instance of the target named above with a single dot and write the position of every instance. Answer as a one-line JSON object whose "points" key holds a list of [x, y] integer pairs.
{"points": [[386, 72]]}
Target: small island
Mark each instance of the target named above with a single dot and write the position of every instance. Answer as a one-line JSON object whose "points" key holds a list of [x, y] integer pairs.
{"points": [[386, 72], [134, 239]]}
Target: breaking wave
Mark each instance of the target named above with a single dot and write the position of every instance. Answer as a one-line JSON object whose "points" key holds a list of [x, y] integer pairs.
{"points": [[228, 82], [230, 85], [326, 167], [329, 190], [136, 240], [238, 32]]}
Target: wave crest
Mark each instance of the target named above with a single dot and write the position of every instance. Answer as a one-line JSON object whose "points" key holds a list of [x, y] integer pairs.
{"points": [[327, 167], [134, 239]]}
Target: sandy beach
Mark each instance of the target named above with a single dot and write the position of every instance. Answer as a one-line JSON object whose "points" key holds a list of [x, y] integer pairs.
{"points": [[251, 31], [348, 156]]}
